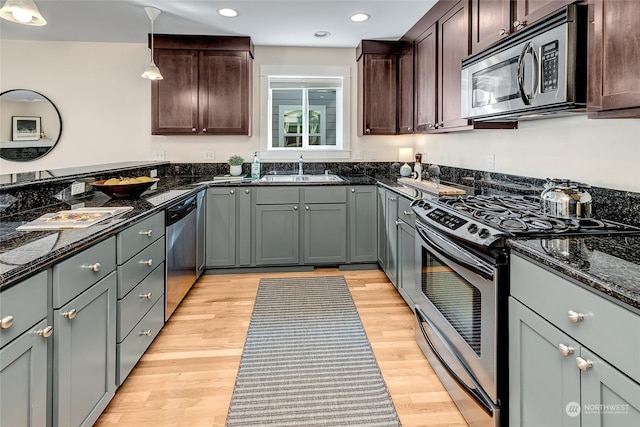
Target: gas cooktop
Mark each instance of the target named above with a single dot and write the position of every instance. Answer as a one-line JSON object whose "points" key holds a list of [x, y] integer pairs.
{"points": [[488, 220]]}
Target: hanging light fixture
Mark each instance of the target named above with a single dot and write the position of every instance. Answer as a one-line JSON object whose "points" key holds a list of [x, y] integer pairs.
{"points": [[22, 12], [152, 72]]}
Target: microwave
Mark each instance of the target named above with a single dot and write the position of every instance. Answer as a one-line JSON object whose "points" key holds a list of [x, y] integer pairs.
{"points": [[539, 71]]}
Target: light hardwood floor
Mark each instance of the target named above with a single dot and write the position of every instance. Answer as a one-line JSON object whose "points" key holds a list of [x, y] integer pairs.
{"points": [[187, 375]]}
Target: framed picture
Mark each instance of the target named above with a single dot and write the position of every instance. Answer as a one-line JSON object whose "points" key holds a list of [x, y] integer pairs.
{"points": [[25, 128]]}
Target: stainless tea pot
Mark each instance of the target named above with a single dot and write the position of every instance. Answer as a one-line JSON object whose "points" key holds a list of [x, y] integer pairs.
{"points": [[566, 199]]}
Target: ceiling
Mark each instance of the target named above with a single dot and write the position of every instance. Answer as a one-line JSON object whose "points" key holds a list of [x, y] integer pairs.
{"points": [[269, 23]]}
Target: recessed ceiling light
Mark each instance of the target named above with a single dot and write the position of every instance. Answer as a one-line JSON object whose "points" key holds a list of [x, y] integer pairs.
{"points": [[229, 13], [360, 17], [322, 34]]}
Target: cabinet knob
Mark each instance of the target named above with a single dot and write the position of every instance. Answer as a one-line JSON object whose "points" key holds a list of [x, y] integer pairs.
{"points": [[70, 314], [146, 296], [584, 364], [6, 322], [407, 213], [93, 267], [194, 130], [353, 190], [148, 262], [306, 208], [367, 130], [518, 24], [398, 222], [46, 332], [295, 208], [147, 233], [204, 130], [431, 126], [565, 350], [247, 191], [147, 332], [575, 316], [232, 191], [502, 32], [393, 199]]}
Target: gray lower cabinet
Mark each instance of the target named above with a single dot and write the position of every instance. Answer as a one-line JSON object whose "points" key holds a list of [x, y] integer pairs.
{"points": [[24, 337], [277, 234], [388, 233], [84, 321], [228, 227], [201, 236], [324, 239], [363, 224], [407, 262], [382, 239], [571, 352]]}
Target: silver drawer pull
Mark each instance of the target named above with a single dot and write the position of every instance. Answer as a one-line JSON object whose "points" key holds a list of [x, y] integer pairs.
{"points": [[232, 192], [93, 267], [6, 322], [247, 191], [147, 233], [148, 262], [584, 364], [565, 350], [398, 222], [407, 213], [70, 314], [146, 296], [575, 316], [147, 332], [46, 332], [353, 190]]}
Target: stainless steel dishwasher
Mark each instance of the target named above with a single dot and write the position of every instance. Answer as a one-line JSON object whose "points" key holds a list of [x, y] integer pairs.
{"points": [[181, 252]]}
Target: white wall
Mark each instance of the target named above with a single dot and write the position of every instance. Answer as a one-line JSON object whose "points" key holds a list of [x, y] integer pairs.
{"points": [[106, 108]]}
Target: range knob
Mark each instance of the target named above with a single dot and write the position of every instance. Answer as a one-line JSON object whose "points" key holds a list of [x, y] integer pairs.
{"points": [[472, 228], [484, 233]]}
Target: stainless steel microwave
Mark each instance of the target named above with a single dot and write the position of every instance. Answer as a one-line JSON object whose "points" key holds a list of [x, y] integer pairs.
{"points": [[539, 71]]}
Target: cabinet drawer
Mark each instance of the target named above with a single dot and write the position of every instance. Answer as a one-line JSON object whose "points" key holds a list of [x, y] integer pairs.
{"points": [[24, 303], [325, 194], [137, 302], [277, 195], [138, 236], [607, 329], [138, 267], [137, 342], [405, 213], [74, 275]]}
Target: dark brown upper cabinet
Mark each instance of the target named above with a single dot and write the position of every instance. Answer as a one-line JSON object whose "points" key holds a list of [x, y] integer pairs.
{"points": [[377, 87], [207, 85], [405, 89], [426, 81], [613, 63]]}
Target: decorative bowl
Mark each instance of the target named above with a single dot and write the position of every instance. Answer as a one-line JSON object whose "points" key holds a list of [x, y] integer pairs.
{"points": [[118, 191]]}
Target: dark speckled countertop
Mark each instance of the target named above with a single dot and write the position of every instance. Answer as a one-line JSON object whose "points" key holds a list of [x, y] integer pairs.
{"points": [[607, 265]]}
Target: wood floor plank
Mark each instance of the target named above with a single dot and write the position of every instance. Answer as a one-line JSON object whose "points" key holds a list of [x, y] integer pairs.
{"points": [[187, 375]]}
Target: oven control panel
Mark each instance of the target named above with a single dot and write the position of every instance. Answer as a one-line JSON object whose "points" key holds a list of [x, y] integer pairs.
{"points": [[455, 223]]}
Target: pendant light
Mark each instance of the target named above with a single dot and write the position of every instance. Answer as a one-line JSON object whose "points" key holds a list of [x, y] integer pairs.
{"points": [[22, 12], [152, 72]]}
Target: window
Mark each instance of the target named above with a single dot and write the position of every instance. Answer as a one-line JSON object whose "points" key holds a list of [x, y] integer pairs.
{"points": [[305, 113]]}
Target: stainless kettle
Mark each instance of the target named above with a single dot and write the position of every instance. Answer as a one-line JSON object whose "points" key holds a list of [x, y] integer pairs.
{"points": [[566, 199]]}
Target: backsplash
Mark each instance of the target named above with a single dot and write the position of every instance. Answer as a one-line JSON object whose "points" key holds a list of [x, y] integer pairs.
{"points": [[613, 205]]}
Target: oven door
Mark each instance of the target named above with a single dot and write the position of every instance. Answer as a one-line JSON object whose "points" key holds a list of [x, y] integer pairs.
{"points": [[456, 322]]}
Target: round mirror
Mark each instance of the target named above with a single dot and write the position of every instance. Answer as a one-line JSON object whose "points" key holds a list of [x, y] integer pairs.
{"points": [[30, 125]]}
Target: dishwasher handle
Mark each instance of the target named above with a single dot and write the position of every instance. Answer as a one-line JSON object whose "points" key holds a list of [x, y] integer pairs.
{"points": [[178, 211]]}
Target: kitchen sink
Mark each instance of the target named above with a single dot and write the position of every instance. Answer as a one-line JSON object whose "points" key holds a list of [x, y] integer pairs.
{"points": [[301, 178]]}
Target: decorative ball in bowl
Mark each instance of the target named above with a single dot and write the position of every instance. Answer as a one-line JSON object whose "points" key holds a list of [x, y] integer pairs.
{"points": [[124, 187]]}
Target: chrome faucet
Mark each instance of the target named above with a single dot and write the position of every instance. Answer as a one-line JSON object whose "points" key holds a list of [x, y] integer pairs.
{"points": [[300, 163]]}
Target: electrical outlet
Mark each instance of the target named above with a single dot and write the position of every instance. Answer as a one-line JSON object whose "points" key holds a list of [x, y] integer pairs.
{"points": [[153, 173], [77, 188], [209, 155], [357, 154], [374, 155], [158, 155], [491, 162]]}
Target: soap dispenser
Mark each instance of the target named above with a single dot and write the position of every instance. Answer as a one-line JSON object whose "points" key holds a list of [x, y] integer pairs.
{"points": [[255, 166]]}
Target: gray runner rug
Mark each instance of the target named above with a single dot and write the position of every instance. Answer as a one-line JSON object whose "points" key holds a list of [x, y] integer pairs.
{"points": [[307, 361]]}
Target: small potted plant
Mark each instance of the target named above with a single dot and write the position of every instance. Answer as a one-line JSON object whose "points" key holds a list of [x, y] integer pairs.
{"points": [[235, 163]]}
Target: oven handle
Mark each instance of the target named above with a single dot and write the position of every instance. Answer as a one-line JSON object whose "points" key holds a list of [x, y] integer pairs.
{"points": [[527, 97], [469, 386], [455, 253]]}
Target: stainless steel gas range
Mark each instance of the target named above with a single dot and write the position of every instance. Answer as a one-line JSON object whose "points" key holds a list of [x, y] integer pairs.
{"points": [[463, 287]]}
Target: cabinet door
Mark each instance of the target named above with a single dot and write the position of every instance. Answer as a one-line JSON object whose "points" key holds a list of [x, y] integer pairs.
{"points": [[405, 90], [201, 236], [325, 239], [490, 22], [407, 263], [221, 227], [425, 90], [23, 380], [382, 228], [84, 377], [526, 12], [224, 92], [174, 100], [609, 398], [614, 63], [378, 94], [391, 268], [363, 224], [453, 46], [542, 381], [277, 234], [243, 214]]}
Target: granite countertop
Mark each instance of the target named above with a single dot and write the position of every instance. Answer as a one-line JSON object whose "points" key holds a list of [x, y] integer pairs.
{"points": [[606, 265]]}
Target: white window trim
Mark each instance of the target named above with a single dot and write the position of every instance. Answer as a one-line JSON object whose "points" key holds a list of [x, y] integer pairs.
{"points": [[265, 120]]}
